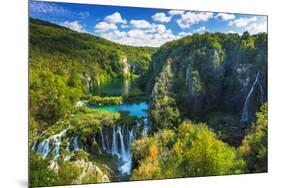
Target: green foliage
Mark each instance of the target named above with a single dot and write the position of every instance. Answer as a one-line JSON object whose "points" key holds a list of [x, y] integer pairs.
{"points": [[165, 113], [191, 150], [39, 173], [254, 147], [98, 101], [60, 63]]}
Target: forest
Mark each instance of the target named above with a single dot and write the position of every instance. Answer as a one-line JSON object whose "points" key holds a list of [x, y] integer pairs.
{"points": [[100, 111]]}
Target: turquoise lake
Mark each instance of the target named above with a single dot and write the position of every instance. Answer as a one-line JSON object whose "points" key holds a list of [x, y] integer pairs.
{"points": [[133, 109]]}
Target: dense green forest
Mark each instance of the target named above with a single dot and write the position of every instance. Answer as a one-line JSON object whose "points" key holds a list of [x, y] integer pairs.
{"points": [[62, 62], [196, 106]]}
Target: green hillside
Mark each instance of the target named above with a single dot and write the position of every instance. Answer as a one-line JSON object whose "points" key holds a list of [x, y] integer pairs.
{"points": [[61, 62]]}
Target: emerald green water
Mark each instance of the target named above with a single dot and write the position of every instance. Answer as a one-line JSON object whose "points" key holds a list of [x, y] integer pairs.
{"points": [[133, 109], [114, 88], [119, 88]]}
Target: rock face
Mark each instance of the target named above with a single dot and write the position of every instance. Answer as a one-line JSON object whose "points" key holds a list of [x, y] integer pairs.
{"points": [[214, 72], [90, 169]]}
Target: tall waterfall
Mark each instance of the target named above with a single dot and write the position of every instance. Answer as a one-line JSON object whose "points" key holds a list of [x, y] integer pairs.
{"points": [[114, 143], [122, 150], [246, 111], [89, 84], [121, 140]]}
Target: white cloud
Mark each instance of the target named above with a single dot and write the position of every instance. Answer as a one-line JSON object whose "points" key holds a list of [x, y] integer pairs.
{"points": [[123, 26], [200, 30], [115, 18], [255, 28], [161, 17], [184, 34], [154, 35], [176, 12], [140, 24], [75, 25], [104, 27], [225, 16], [241, 22], [191, 18]]}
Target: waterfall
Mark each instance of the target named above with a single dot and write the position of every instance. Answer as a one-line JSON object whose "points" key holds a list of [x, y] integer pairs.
{"points": [[245, 111], [102, 140], [114, 149], [123, 153], [145, 127], [56, 150], [75, 144], [126, 166], [44, 148]]}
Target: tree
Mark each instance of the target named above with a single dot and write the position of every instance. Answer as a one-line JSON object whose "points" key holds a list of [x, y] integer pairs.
{"points": [[40, 174], [254, 145]]}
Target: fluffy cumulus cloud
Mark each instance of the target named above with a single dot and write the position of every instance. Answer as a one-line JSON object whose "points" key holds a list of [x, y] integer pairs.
{"points": [[115, 18], [105, 26], [141, 33], [140, 24], [225, 16], [109, 23], [190, 18], [241, 22], [161, 17], [75, 25], [176, 12]]}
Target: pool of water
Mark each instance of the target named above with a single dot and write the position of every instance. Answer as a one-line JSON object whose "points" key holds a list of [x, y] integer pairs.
{"points": [[114, 88], [133, 109]]}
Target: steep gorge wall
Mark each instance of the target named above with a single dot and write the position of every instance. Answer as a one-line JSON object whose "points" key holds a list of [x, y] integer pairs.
{"points": [[215, 73]]}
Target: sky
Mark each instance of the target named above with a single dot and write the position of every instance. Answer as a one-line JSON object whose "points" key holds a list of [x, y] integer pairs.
{"points": [[143, 26]]}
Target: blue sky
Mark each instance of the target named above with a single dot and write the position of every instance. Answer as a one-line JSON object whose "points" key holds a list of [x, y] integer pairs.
{"points": [[143, 26]]}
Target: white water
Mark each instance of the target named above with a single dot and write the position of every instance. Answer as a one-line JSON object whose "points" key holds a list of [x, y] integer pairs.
{"points": [[122, 151], [114, 144], [120, 145], [75, 143], [44, 147], [245, 112], [102, 140]]}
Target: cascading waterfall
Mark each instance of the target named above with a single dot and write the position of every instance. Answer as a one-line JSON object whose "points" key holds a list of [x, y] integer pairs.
{"points": [[44, 147], [245, 112], [75, 144], [119, 145], [114, 143], [123, 155]]}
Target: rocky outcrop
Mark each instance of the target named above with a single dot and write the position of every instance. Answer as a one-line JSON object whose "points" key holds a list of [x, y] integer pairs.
{"points": [[214, 72]]}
